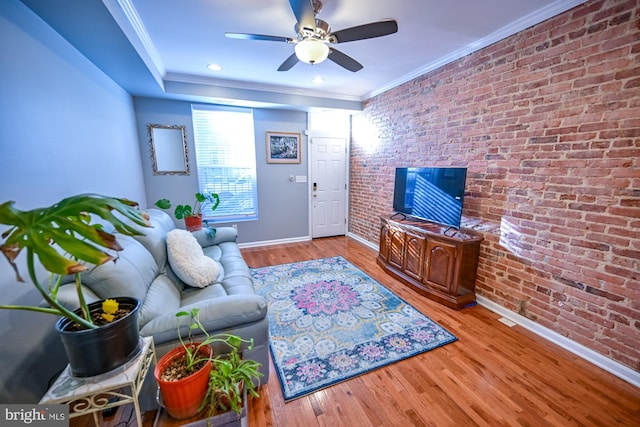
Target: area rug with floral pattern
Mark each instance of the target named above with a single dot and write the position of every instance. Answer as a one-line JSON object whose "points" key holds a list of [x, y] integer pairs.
{"points": [[329, 321]]}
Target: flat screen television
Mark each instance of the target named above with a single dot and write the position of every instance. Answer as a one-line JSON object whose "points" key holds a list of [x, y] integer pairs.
{"points": [[432, 194]]}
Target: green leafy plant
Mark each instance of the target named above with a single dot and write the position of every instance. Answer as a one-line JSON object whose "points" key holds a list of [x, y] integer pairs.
{"points": [[182, 211], [193, 354], [230, 376], [64, 240]]}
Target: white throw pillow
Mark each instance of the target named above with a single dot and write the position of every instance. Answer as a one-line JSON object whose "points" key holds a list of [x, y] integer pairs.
{"points": [[188, 261]]}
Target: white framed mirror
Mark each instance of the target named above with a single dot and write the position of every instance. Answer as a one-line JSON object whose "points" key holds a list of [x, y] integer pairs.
{"points": [[168, 145]]}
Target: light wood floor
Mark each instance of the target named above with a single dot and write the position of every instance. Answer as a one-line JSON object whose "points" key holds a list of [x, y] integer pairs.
{"points": [[493, 375]]}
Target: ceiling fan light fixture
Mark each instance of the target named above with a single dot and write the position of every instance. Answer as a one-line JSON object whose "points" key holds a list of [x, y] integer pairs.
{"points": [[312, 51]]}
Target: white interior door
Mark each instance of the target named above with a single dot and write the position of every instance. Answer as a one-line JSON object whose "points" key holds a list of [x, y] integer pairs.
{"points": [[328, 186]]}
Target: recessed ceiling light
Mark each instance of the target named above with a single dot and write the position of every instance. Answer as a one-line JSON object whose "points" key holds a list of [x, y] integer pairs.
{"points": [[318, 80], [214, 67]]}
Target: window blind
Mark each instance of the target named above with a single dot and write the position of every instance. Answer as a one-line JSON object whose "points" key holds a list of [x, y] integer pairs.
{"points": [[226, 160]]}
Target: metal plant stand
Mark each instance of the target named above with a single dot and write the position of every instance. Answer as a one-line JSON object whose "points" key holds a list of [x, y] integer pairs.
{"points": [[92, 395]]}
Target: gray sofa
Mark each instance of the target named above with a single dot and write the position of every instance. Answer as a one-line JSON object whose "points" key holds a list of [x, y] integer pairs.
{"points": [[142, 271]]}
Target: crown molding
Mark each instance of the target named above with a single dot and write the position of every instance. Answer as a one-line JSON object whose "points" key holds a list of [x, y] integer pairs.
{"points": [[127, 18], [224, 94], [235, 84], [130, 23], [514, 27]]}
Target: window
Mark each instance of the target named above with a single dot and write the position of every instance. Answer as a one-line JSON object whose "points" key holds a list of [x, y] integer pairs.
{"points": [[226, 160]]}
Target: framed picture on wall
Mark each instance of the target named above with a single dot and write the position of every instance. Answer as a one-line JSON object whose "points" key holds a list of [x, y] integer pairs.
{"points": [[283, 147]]}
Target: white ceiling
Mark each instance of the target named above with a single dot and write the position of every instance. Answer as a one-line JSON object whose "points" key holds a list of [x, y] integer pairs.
{"points": [[177, 39]]}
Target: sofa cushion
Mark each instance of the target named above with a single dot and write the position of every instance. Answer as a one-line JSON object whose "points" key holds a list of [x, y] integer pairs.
{"points": [[216, 314], [154, 238], [214, 252], [162, 297], [208, 236], [68, 297], [194, 295], [130, 275], [189, 262]]}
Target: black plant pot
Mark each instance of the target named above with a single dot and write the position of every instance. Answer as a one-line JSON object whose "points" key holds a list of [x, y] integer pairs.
{"points": [[96, 351]]}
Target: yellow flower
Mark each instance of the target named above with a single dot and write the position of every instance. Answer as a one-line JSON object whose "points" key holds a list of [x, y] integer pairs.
{"points": [[110, 306], [107, 317]]}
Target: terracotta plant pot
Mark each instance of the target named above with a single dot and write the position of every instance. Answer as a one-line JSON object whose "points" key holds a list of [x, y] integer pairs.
{"points": [[182, 398], [193, 223], [96, 351]]}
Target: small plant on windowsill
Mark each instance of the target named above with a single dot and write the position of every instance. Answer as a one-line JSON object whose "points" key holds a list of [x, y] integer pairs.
{"points": [[192, 214]]}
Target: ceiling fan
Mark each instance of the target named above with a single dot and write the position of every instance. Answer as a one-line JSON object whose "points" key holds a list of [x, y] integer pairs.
{"points": [[313, 37]]}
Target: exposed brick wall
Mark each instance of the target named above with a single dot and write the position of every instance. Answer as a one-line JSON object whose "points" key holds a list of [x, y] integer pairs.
{"points": [[548, 124]]}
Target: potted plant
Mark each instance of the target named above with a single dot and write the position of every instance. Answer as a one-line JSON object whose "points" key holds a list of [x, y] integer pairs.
{"points": [[183, 373], [231, 380], [97, 337], [192, 214]]}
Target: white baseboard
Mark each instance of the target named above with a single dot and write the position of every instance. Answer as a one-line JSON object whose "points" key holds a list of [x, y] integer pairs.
{"points": [[363, 241], [301, 239], [274, 242], [609, 365]]}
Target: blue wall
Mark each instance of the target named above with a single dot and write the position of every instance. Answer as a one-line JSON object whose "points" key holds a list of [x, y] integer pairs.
{"points": [[65, 128], [283, 206]]}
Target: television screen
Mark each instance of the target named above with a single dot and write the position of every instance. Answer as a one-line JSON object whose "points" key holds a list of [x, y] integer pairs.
{"points": [[433, 194]]}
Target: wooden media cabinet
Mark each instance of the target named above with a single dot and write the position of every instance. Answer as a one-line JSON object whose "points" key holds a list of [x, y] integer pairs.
{"points": [[437, 261]]}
